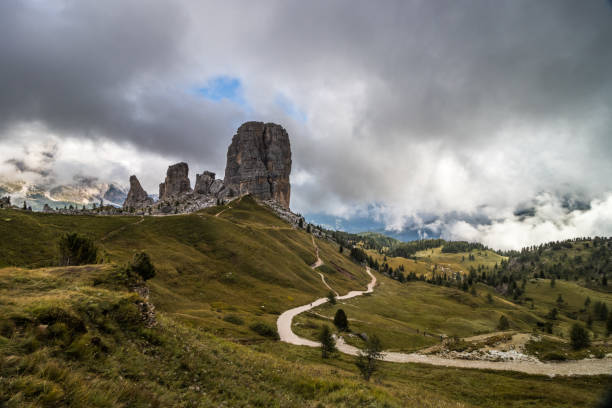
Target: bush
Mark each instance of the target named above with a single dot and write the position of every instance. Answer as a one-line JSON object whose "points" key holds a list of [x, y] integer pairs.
{"points": [[503, 324], [75, 249], [141, 264], [579, 337], [233, 319], [331, 298], [264, 329], [553, 356]]}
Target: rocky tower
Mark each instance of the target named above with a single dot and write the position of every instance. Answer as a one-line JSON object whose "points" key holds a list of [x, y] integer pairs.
{"points": [[177, 181], [203, 182], [136, 197], [259, 162]]}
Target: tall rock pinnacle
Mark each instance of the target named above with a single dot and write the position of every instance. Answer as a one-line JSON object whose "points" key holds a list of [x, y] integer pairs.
{"points": [[136, 197], [177, 181], [259, 162]]}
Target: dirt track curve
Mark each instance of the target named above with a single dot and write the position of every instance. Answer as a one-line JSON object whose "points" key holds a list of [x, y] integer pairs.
{"points": [[566, 368]]}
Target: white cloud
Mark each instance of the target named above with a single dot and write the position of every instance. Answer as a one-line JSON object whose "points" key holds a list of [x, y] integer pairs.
{"points": [[551, 222]]}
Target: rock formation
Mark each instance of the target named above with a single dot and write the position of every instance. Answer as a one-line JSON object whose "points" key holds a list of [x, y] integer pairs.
{"points": [[203, 182], [259, 162], [136, 197], [5, 202], [176, 183]]}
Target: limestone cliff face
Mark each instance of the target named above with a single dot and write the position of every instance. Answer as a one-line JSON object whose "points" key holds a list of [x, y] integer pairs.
{"points": [[259, 162], [176, 183], [136, 197]]}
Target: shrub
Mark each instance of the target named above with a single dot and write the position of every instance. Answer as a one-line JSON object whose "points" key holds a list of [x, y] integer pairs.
{"points": [[75, 249], [233, 319], [331, 298], [367, 360], [328, 344], [141, 264], [579, 337], [52, 315], [553, 356], [340, 320], [264, 329], [503, 324]]}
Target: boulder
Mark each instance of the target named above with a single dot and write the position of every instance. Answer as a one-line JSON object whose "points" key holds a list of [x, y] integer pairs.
{"points": [[176, 183], [259, 162], [136, 197]]}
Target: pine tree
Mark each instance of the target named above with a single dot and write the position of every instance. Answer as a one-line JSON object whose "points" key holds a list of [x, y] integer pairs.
{"points": [[560, 300], [367, 360], [579, 337], [340, 320], [503, 324], [328, 344]]}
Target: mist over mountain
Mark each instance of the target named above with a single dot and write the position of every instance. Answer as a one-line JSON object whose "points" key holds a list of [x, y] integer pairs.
{"points": [[83, 191]]}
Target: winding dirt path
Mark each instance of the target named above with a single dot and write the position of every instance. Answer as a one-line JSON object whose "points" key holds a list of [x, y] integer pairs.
{"points": [[318, 263], [228, 205], [566, 368]]}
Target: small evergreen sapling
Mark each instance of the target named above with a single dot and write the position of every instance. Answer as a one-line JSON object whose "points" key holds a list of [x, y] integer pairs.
{"points": [[328, 344]]}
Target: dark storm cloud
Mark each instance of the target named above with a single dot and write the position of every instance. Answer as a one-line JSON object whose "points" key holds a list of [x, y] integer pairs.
{"points": [[427, 107], [22, 167], [103, 69]]}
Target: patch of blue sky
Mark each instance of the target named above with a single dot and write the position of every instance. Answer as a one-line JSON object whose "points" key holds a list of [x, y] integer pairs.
{"points": [[223, 87], [290, 108]]}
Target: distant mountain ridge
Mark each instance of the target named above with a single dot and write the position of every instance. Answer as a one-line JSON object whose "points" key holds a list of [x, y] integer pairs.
{"points": [[83, 191]]}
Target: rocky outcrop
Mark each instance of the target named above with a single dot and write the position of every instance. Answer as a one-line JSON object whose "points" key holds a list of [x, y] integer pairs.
{"points": [[259, 162], [203, 182], [136, 197], [176, 183]]}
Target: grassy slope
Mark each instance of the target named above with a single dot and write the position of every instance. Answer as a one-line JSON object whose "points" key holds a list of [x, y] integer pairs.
{"points": [[246, 262], [545, 298], [209, 267], [454, 261], [93, 351]]}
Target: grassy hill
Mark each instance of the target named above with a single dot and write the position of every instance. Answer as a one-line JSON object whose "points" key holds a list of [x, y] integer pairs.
{"points": [[587, 261], [244, 262], [428, 261], [75, 336]]}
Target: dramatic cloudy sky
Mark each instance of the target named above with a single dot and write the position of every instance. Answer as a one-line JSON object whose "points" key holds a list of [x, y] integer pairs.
{"points": [[480, 120]]}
